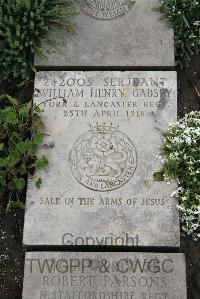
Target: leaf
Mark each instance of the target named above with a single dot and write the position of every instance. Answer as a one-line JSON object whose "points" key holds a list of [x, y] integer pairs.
{"points": [[38, 123], [1, 146], [22, 169], [38, 138], [15, 205], [11, 160], [12, 100], [25, 146], [38, 109], [24, 111], [3, 97], [41, 163], [29, 105], [14, 139], [19, 183], [38, 183], [9, 116], [12, 118]]}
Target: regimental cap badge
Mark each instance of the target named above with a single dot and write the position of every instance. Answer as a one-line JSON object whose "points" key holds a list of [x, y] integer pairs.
{"points": [[103, 158]]}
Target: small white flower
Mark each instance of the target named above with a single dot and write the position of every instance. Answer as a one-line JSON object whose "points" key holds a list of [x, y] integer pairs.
{"points": [[188, 140], [181, 189], [176, 139], [173, 194]]}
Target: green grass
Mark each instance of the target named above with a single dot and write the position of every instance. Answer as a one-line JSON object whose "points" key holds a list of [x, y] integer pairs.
{"points": [[184, 15]]}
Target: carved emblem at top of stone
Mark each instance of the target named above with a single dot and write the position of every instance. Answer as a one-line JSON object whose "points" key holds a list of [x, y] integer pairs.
{"points": [[107, 9]]}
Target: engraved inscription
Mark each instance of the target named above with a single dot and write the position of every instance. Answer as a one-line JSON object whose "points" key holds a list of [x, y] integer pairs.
{"points": [[107, 9], [104, 276], [103, 158]]}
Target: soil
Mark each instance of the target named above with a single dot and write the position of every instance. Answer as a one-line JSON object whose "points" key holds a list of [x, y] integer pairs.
{"points": [[11, 254], [11, 225], [189, 88]]}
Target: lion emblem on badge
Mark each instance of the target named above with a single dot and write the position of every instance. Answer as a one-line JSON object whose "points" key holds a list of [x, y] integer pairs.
{"points": [[103, 158]]}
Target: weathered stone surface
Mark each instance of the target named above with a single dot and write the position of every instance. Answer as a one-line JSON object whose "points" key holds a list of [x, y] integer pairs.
{"points": [[103, 275], [137, 37], [103, 134]]}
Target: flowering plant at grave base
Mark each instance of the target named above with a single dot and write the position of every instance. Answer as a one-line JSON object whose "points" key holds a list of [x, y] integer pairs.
{"points": [[180, 154], [184, 15], [23, 25]]}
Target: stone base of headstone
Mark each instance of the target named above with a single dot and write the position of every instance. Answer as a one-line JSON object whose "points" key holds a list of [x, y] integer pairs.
{"points": [[103, 275]]}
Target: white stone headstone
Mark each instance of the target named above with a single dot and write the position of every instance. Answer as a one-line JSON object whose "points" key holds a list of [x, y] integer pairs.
{"points": [[103, 130], [110, 33], [103, 275]]}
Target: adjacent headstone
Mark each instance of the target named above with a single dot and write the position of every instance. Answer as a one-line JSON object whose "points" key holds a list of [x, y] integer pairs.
{"points": [[123, 33], [101, 187], [103, 275]]}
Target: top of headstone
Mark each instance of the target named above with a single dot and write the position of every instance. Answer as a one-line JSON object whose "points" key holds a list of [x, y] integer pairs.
{"points": [[114, 33]]}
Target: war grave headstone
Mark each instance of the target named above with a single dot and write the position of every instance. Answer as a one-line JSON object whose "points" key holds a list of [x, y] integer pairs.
{"points": [[122, 33], [97, 275], [103, 130]]}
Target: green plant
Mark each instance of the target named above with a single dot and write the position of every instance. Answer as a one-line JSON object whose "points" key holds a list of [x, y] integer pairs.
{"points": [[23, 25], [184, 15], [21, 133], [181, 154]]}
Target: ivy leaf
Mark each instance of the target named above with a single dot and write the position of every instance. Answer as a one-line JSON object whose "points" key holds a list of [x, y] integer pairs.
{"points": [[41, 163], [19, 183], [15, 205], [38, 183]]}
